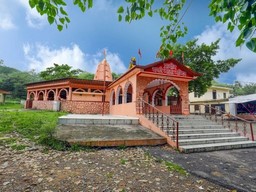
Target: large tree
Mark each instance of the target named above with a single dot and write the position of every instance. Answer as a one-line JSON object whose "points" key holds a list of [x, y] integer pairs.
{"points": [[59, 71], [246, 89], [240, 13], [200, 59]]}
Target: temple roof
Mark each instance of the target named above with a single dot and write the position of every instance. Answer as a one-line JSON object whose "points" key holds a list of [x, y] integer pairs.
{"points": [[103, 66], [70, 80]]}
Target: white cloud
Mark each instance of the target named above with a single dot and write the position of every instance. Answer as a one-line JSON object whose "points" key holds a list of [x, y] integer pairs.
{"points": [[40, 57], [244, 70], [33, 18], [6, 21]]}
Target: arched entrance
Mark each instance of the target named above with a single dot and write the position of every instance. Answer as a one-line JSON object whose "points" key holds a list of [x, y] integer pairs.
{"points": [[165, 96]]}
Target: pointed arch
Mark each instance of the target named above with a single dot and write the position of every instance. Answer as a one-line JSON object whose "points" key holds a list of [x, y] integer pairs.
{"points": [[32, 96], [128, 91], [119, 95], [157, 97], [112, 97], [50, 95], [63, 93], [41, 96]]}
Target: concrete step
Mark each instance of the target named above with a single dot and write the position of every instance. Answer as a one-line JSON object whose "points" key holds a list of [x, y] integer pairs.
{"points": [[199, 131], [209, 126], [217, 146], [207, 135], [76, 119], [211, 140]]}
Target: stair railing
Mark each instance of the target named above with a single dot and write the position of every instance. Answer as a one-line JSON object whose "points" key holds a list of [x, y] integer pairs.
{"points": [[233, 122], [162, 120]]}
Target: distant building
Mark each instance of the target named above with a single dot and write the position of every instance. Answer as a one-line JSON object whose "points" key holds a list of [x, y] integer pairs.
{"points": [[2, 95], [216, 97]]}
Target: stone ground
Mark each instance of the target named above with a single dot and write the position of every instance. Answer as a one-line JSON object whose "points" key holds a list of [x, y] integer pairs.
{"points": [[130, 169], [235, 169]]}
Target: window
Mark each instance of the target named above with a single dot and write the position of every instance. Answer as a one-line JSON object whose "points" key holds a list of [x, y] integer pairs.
{"points": [[196, 107], [214, 94], [224, 95]]}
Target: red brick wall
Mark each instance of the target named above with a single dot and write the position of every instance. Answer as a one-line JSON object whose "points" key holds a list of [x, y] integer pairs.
{"points": [[46, 105], [84, 107]]}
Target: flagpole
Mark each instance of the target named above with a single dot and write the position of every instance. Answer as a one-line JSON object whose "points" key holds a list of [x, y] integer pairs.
{"points": [[104, 83]]}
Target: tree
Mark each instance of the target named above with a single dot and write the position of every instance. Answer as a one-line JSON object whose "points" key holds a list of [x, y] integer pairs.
{"points": [[240, 13], [239, 89], [58, 72], [115, 76], [199, 59], [15, 82], [86, 75]]}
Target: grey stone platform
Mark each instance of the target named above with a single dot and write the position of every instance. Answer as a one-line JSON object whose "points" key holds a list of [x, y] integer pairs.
{"points": [[74, 119], [105, 131]]}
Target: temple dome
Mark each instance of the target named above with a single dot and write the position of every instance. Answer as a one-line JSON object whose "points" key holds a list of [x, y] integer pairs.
{"points": [[99, 75]]}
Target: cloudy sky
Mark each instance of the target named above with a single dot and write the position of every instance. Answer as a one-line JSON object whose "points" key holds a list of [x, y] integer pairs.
{"points": [[28, 42]]}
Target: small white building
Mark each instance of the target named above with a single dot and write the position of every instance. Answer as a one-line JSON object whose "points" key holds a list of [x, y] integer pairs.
{"points": [[215, 97]]}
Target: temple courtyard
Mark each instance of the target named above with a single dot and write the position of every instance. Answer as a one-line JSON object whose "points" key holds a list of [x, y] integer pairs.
{"points": [[124, 169]]}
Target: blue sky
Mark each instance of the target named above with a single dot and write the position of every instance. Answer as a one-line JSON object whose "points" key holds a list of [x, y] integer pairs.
{"points": [[28, 42]]}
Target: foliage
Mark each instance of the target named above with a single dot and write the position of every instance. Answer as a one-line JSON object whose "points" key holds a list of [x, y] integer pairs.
{"points": [[221, 84], [37, 126], [115, 76], [199, 59], [14, 81], [7, 105], [59, 71], [240, 14], [86, 75], [175, 167], [239, 89]]}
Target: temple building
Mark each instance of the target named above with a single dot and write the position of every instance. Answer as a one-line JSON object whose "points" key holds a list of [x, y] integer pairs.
{"points": [[163, 84]]}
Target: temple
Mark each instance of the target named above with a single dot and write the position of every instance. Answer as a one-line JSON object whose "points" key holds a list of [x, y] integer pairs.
{"points": [[162, 84]]}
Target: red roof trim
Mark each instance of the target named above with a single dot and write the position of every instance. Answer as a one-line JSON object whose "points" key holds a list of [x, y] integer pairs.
{"points": [[70, 80], [183, 67]]}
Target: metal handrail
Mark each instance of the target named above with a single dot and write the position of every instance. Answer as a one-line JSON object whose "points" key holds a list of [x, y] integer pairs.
{"points": [[171, 124], [232, 117]]}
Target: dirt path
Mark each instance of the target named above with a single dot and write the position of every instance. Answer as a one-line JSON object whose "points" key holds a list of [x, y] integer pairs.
{"points": [[131, 169]]}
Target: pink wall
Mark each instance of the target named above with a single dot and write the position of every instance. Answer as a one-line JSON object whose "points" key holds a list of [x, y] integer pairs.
{"points": [[128, 109]]}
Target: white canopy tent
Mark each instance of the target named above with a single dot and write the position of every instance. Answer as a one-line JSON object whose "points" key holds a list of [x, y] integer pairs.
{"points": [[239, 99]]}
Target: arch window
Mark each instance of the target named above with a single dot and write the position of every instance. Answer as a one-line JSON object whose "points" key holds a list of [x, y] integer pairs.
{"points": [[112, 98], [32, 96], [119, 95], [128, 92], [51, 95], [63, 94], [41, 96]]}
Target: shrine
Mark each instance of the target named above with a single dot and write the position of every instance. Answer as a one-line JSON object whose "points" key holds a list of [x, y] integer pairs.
{"points": [[162, 84]]}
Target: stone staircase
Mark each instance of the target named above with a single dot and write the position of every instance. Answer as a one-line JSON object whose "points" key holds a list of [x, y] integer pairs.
{"points": [[198, 134]]}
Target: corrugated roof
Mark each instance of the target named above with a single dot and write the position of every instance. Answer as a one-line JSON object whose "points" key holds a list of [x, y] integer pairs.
{"points": [[243, 99]]}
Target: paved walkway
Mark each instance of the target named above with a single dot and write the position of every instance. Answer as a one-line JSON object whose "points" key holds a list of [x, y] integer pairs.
{"points": [[234, 169]]}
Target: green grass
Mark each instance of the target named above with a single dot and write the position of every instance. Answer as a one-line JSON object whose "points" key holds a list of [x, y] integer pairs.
{"points": [[10, 105], [175, 167], [37, 126]]}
